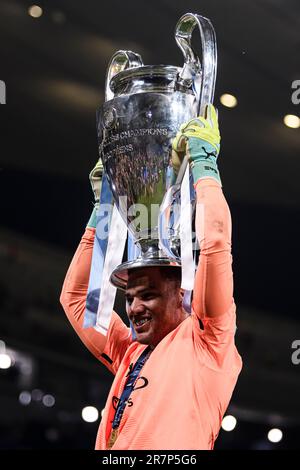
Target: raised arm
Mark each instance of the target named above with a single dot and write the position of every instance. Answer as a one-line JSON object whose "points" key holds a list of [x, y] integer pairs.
{"points": [[108, 349], [213, 308], [213, 289]]}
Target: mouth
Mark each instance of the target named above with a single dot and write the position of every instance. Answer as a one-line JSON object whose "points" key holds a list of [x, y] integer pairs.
{"points": [[141, 323]]}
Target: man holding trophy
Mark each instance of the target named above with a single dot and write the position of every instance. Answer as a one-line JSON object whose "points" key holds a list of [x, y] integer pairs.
{"points": [[176, 368]]}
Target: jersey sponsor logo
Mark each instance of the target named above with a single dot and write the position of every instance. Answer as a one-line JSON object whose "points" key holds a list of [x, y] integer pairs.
{"points": [[141, 382], [115, 401]]}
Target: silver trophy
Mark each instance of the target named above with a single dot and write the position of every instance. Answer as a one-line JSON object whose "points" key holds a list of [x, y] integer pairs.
{"points": [[144, 108]]}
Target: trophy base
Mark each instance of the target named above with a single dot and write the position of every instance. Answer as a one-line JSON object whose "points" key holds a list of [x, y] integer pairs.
{"points": [[119, 276]]}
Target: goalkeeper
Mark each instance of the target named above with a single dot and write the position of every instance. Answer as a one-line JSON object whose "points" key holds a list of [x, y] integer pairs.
{"points": [[174, 381]]}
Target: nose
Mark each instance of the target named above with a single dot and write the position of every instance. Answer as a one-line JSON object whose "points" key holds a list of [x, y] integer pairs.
{"points": [[136, 306]]}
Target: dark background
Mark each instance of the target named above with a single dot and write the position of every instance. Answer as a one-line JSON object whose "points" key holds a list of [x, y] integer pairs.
{"points": [[54, 69]]}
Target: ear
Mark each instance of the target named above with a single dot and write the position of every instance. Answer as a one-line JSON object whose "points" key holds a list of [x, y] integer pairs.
{"points": [[180, 296]]}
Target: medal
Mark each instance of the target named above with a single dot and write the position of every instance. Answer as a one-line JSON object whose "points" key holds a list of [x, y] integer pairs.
{"points": [[112, 438]]}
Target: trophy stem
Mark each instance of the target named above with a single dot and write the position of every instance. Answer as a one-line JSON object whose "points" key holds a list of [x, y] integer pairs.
{"points": [[149, 248]]}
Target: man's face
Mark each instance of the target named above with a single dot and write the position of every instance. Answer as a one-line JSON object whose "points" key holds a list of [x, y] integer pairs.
{"points": [[153, 304]]}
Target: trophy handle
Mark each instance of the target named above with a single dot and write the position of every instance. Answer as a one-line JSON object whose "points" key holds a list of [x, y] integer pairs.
{"points": [[121, 60], [200, 74]]}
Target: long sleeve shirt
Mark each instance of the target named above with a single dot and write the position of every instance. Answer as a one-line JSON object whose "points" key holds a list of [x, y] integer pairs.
{"points": [[184, 388]]}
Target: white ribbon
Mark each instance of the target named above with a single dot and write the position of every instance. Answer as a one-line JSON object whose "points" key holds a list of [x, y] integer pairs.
{"points": [[187, 261], [114, 254]]}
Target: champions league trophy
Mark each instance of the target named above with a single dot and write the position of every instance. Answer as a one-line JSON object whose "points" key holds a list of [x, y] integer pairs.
{"points": [[144, 108]]}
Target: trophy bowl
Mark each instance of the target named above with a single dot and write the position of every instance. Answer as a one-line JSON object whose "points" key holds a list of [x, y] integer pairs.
{"points": [[144, 108]]}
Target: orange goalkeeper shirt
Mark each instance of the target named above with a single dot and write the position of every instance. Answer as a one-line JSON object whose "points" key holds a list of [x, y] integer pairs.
{"points": [[184, 388]]}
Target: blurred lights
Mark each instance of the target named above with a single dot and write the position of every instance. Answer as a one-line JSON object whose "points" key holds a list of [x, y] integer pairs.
{"points": [[58, 17], [229, 423], [102, 412], [25, 398], [37, 394], [35, 11], [48, 400], [290, 120], [65, 416], [275, 435], [26, 368], [5, 361], [52, 435], [89, 414], [228, 100]]}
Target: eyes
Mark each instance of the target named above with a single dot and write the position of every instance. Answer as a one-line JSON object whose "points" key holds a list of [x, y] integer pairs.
{"points": [[143, 297]]}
